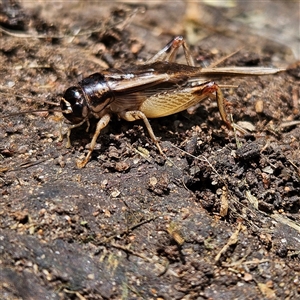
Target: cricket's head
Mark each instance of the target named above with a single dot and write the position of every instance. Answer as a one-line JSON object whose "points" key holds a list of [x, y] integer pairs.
{"points": [[90, 97], [73, 105]]}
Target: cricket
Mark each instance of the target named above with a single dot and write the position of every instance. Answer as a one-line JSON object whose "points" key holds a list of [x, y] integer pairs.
{"points": [[160, 87]]}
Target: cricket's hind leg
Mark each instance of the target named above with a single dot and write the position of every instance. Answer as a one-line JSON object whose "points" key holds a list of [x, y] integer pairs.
{"points": [[168, 53]]}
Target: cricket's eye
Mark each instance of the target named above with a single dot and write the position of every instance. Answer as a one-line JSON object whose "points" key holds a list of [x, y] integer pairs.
{"points": [[73, 105]]}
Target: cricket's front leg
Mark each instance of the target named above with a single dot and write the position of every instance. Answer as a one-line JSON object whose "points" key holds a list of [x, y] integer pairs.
{"points": [[100, 125], [68, 144], [134, 115]]}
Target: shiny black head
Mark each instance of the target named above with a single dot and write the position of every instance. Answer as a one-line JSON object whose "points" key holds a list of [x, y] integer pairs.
{"points": [[74, 105]]}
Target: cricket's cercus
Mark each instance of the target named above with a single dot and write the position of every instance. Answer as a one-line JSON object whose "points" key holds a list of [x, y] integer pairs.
{"points": [[158, 88]]}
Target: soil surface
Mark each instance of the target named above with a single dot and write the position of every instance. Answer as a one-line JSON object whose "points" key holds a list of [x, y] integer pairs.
{"points": [[218, 219]]}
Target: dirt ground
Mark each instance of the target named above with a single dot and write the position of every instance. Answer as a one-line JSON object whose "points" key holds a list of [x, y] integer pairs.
{"points": [[219, 219]]}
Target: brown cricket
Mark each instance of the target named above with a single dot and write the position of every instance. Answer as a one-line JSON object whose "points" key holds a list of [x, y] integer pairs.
{"points": [[158, 88]]}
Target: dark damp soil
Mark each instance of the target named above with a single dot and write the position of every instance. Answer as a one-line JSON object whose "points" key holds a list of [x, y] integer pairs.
{"points": [[219, 219]]}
